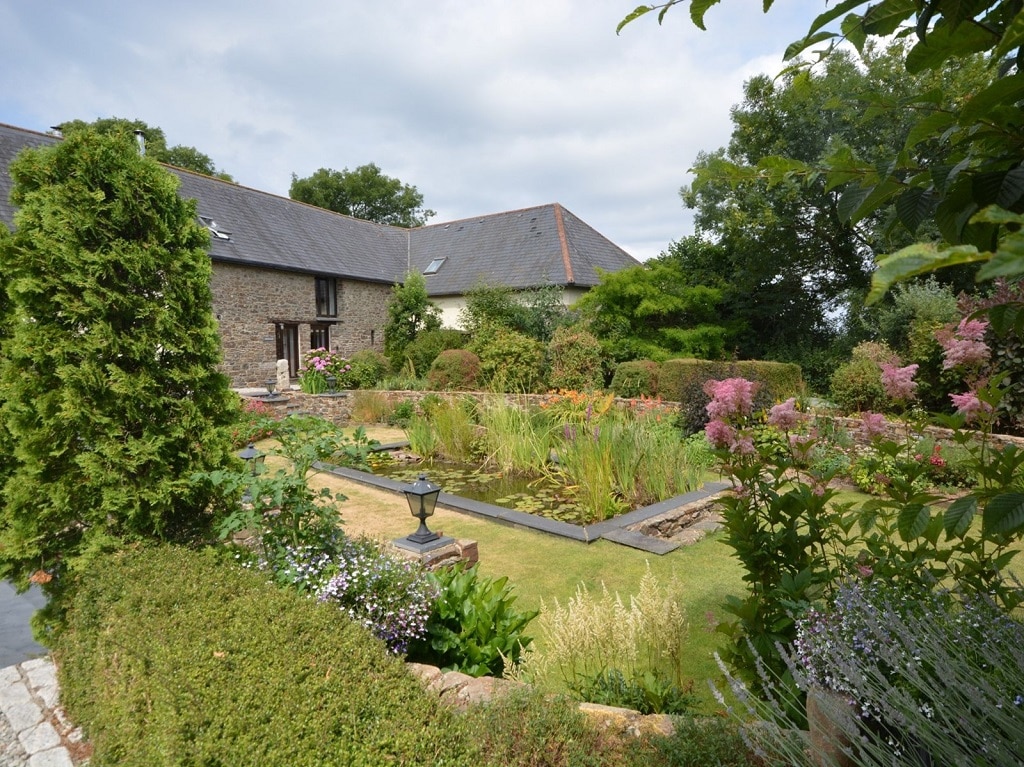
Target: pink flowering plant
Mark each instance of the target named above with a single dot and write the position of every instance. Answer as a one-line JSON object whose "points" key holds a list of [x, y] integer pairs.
{"points": [[319, 367], [910, 533], [794, 542], [779, 521]]}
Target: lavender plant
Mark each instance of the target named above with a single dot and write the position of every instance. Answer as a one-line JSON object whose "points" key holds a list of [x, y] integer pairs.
{"points": [[926, 677]]}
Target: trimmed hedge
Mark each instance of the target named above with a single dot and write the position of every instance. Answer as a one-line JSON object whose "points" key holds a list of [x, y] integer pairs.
{"points": [[682, 380], [173, 657], [427, 345], [636, 378]]}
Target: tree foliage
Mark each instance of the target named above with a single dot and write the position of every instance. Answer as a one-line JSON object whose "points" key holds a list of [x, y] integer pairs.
{"points": [[535, 313], [180, 156], [364, 193], [109, 394], [959, 167], [410, 312], [792, 265], [660, 309]]}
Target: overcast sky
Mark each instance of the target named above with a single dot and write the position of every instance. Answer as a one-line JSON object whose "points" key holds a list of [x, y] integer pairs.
{"points": [[483, 105]]}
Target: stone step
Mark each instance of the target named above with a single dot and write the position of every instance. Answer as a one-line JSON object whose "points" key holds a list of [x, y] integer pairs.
{"points": [[640, 541]]}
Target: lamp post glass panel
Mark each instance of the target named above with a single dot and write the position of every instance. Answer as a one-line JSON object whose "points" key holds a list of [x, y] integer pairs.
{"points": [[422, 497], [253, 460]]}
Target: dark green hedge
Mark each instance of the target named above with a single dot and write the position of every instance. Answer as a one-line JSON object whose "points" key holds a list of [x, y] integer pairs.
{"points": [[635, 378], [682, 380], [173, 657]]}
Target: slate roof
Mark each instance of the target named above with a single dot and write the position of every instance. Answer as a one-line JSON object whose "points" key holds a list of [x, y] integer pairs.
{"points": [[519, 249]]}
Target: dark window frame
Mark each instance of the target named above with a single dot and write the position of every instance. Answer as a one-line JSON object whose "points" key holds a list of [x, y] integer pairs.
{"points": [[326, 290], [320, 331]]}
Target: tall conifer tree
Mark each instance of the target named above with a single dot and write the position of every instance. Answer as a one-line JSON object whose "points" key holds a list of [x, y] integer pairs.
{"points": [[109, 394]]}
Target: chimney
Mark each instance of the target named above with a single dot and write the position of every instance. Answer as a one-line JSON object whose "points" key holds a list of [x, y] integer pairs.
{"points": [[140, 139]]}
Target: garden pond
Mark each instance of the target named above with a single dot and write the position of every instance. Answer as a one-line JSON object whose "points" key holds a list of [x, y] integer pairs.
{"points": [[538, 495]]}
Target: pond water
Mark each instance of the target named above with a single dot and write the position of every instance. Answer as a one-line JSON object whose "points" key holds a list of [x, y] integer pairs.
{"points": [[541, 495]]}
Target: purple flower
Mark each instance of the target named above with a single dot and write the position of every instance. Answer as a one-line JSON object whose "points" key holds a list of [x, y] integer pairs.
{"points": [[785, 416], [965, 345], [872, 424], [899, 383], [732, 397], [969, 405], [719, 433]]}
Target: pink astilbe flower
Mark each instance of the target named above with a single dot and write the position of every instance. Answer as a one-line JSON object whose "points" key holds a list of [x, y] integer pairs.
{"points": [[970, 406], [899, 383], [719, 433], [965, 345], [872, 424], [742, 445], [785, 416], [729, 398]]}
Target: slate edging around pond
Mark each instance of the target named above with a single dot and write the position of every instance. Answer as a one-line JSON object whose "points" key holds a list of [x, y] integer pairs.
{"points": [[614, 530]]}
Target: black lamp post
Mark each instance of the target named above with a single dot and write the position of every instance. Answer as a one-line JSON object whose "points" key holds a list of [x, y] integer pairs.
{"points": [[422, 497], [253, 460], [270, 384], [332, 383]]}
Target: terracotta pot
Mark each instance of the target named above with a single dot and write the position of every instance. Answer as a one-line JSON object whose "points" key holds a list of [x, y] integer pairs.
{"points": [[831, 719]]}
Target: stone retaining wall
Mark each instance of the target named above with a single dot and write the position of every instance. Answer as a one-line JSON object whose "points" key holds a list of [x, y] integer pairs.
{"points": [[461, 690], [338, 409]]}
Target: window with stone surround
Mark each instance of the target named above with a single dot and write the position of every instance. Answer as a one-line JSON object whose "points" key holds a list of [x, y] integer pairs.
{"points": [[326, 297]]}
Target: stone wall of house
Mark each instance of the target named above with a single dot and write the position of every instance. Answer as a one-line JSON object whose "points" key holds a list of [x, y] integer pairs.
{"points": [[362, 314], [248, 302]]}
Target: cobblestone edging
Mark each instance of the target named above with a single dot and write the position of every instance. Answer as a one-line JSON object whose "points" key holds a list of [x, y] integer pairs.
{"points": [[33, 729]]}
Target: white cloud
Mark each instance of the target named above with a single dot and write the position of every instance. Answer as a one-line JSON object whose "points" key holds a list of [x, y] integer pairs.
{"points": [[484, 106]]}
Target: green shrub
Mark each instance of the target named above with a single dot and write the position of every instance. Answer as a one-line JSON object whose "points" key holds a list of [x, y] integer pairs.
{"points": [[648, 693], [455, 369], [575, 360], [857, 385], [474, 625], [402, 413], [429, 344], [701, 743], [636, 378], [174, 657], [368, 368], [509, 361]]}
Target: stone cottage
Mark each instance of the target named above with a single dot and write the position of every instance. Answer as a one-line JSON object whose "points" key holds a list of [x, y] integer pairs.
{"points": [[288, 277]]}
